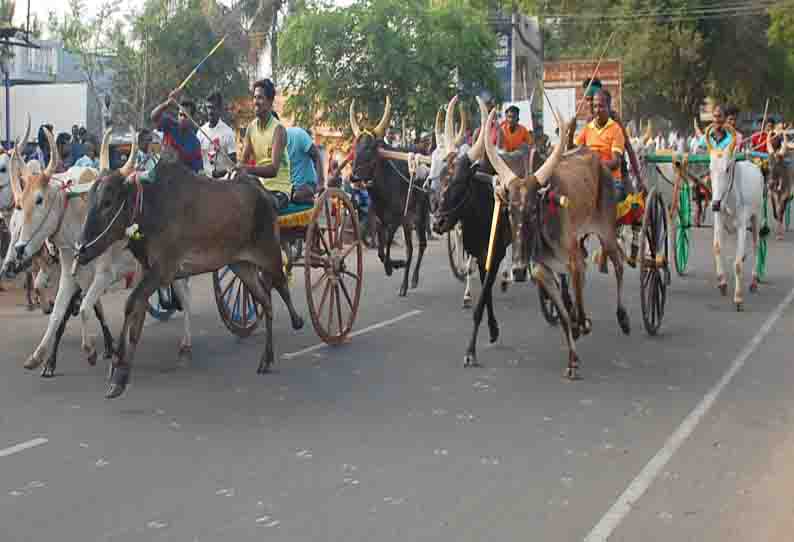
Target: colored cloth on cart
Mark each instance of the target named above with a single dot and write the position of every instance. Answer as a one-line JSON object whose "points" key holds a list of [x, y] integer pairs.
{"points": [[606, 141], [184, 142], [630, 209]]}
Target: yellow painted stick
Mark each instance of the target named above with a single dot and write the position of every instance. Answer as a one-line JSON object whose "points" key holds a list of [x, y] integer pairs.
{"points": [[497, 210], [196, 69]]}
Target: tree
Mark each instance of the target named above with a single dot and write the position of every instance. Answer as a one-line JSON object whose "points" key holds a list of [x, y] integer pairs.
{"points": [[420, 57], [160, 50], [88, 37]]}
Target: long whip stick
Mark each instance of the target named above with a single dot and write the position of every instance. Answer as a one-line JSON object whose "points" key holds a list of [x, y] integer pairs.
{"points": [[198, 66]]}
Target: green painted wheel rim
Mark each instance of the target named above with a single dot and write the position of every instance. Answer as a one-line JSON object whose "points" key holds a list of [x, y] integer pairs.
{"points": [[760, 256], [683, 225]]}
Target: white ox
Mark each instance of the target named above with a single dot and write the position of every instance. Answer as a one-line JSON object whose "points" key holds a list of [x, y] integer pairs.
{"points": [[742, 182], [51, 214]]}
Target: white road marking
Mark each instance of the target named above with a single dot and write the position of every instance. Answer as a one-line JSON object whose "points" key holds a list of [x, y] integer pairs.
{"points": [[622, 507], [21, 447], [354, 334]]}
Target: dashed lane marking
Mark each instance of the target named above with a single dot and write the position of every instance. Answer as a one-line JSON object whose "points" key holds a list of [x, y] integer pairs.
{"points": [[367, 329]]}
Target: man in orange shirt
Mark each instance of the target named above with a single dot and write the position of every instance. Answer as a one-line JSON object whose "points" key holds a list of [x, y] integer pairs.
{"points": [[514, 138], [605, 136]]}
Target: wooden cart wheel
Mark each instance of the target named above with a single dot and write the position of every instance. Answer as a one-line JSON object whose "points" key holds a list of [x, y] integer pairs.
{"points": [[236, 306], [333, 266], [457, 256], [654, 258]]}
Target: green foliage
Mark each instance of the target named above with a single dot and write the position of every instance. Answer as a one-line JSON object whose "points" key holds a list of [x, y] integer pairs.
{"points": [[677, 52], [418, 56], [150, 56]]}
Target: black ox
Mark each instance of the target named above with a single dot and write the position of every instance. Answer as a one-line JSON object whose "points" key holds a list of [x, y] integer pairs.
{"points": [[389, 186]]}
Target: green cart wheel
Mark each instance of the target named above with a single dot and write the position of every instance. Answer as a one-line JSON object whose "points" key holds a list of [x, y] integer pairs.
{"points": [[763, 248], [683, 238]]}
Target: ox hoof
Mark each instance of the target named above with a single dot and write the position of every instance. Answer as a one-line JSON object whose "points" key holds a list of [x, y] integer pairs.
{"points": [[389, 270], [297, 323], [572, 373], [91, 357], [739, 307], [470, 360], [119, 379], [414, 283], [109, 352], [48, 371], [33, 362], [723, 289], [467, 302], [403, 292], [503, 286], [623, 321], [185, 355], [494, 329], [31, 307], [265, 366], [587, 326]]}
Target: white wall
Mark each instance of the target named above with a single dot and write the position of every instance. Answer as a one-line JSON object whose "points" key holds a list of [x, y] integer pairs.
{"points": [[564, 100], [61, 105]]}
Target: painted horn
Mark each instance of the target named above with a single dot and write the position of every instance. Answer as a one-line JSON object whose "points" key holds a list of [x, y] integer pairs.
{"points": [[461, 137], [54, 156], [129, 167], [449, 133], [380, 129], [353, 121], [439, 130], [477, 151], [708, 137], [104, 152], [506, 174]]}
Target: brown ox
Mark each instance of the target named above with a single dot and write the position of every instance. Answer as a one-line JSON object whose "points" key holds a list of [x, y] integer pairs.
{"points": [[188, 224], [551, 236], [781, 181]]}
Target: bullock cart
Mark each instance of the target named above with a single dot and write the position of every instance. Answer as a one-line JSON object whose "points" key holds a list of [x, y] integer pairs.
{"points": [[694, 168], [324, 240]]}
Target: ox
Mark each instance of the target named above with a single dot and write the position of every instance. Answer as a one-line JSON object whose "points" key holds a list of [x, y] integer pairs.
{"points": [[744, 183], [49, 213], [187, 224], [467, 196], [550, 235], [780, 182], [390, 188]]}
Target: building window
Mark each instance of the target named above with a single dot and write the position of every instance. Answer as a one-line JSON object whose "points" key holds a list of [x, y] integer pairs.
{"points": [[41, 60]]}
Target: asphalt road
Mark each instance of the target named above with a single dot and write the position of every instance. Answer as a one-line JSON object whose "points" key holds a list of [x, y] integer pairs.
{"points": [[684, 436]]}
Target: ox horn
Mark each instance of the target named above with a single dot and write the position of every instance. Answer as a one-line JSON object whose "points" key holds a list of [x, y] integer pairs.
{"points": [[380, 129], [129, 167], [104, 152], [54, 157], [506, 174], [543, 174], [708, 137], [439, 130], [353, 121], [449, 133], [461, 137], [477, 151], [16, 165]]}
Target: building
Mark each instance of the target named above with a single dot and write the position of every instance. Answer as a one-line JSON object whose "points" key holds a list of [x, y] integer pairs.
{"points": [[50, 70]]}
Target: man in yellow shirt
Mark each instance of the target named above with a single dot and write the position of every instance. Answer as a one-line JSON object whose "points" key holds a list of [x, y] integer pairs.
{"points": [[265, 145]]}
